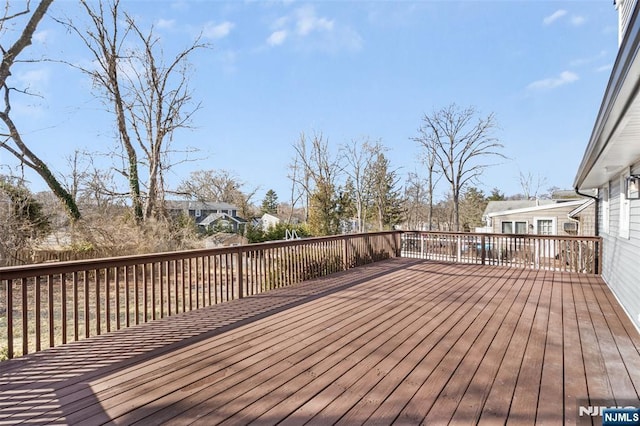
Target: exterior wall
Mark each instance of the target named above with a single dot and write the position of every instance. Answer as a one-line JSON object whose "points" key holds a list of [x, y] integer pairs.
{"points": [[269, 221], [621, 256], [587, 226], [625, 9], [587, 218], [558, 214]]}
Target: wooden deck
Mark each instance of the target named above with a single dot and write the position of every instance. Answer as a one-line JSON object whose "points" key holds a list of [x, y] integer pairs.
{"points": [[405, 341]]}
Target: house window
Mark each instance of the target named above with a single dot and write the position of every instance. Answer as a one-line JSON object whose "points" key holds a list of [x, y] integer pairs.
{"points": [[198, 212], [545, 226], [514, 227], [605, 208], [624, 209]]}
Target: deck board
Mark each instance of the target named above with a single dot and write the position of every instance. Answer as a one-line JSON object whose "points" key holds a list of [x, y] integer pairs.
{"points": [[402, 341]]}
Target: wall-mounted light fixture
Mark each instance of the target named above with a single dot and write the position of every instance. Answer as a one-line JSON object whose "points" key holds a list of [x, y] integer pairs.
{"points": [[632, 189]]}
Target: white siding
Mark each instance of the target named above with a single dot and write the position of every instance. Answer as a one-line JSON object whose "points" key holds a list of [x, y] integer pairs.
{"points": [[621, 256], [625, 8]]}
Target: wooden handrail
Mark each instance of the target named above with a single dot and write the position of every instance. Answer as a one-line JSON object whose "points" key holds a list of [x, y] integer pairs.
{"points": [[578, 254], [45, 305]]}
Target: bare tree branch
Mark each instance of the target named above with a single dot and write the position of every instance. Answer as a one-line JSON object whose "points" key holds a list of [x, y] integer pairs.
{"points": [[459, 144]]}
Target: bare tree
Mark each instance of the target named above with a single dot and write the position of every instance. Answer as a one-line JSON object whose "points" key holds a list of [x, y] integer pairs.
{"points": [[316, 174], [531, 185], [461, 144], [433, 174], [416, 202], [359, 156], [218, 186], [300, 179], [150, 99], [12, 140], [22, 221], [91, 185]]}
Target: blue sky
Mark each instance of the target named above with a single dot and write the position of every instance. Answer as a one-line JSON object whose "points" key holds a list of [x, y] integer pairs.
{"points": [[350, 70]]}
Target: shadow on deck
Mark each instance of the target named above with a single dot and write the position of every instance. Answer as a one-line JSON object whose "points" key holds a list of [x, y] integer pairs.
{"points": [[402, 340]]}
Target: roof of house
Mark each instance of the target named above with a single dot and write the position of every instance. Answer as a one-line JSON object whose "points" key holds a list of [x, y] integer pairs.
{"points": [[508, 205], [500, 208], [575, 212]]}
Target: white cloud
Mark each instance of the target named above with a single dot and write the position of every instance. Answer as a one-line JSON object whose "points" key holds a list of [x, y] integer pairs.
{"points": [[578, 20], [217, 31], [37, 78], [565, 77], [41, 36], [277, 38], [166, 24], [585, 61], [307, 21], [604, 68], [309, 31], [554, 16]]}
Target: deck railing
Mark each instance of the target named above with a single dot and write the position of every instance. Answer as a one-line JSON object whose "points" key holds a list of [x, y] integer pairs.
{"points": [[45, 305], [556, 253]]}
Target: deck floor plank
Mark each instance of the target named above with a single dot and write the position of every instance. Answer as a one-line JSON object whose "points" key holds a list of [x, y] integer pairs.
{"points": [[299, 390], [550, 400], [465, 400], [359, 343], [401, 341], [470, 408], [248, 367], [525, 398], [599, 386], [620, 382], [403, 404], [346, 391], [497, 405]]}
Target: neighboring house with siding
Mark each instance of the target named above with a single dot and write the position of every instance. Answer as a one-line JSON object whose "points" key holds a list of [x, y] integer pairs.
{"points": [[271, 220], [541, 217], [208, 215], [611, 164]]}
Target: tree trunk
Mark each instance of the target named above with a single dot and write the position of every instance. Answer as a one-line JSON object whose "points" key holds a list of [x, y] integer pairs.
{"points": [[30, 159]]}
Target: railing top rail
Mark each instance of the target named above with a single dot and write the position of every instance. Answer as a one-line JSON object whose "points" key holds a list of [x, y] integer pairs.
{"points": [[52, 268], [498, 235]]}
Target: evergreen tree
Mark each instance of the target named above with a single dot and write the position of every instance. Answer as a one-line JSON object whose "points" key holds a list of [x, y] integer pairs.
{"points": [[496, 195], [387, 200], [270, 202], [472, 206], [323, 214]]}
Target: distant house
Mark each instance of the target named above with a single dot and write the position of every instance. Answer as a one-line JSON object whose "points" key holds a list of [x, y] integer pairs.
{"points": [[209, 215], [270, 220], [611, 164], [541, 217]]}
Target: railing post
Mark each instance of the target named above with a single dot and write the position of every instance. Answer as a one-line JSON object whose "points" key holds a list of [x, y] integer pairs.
{"points": [[458, 249], [239, 273], [345, 253], [483, 250], [598, 261], [9, 289]]}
